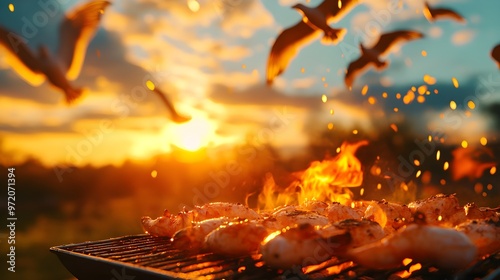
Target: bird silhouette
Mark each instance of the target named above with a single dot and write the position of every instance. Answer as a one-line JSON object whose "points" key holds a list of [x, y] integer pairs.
{"points": [[75, 33], [372, 55], [433, 14], [314, 22], [174, 115], [495, 54]]}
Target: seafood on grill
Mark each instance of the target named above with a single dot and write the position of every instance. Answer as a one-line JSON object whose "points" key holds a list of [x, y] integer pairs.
{"points": [[193, 237], [302, 245], [436, 208], [443, 247], [289, 217], [472, 212], [485, 234], [391, 216], [307, 244], [168, 224], [238, 238], [338, 212]]}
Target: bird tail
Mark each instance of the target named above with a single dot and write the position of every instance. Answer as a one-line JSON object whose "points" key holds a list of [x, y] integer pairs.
{"points": [[72, 94], [333, 36]]}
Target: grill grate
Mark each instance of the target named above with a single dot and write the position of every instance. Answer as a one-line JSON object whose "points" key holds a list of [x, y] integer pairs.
{"points": [[143, 256]]}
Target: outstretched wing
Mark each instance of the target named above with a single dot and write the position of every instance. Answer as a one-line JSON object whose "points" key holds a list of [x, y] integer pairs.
{"points": [[388, 40], [286, 46], [20, 57], [443, 13], [336, 9], [76, 32], [354, 69], [175, 116], [495, 54]]}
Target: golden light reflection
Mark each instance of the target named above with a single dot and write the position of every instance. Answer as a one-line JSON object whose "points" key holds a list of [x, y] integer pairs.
{"points": [[193, 5]]}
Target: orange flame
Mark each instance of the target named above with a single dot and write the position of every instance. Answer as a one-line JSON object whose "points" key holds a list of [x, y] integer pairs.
{"points": [[323, 181]]}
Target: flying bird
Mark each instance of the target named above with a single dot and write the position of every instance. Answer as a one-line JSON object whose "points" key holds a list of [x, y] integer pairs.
{"points": [[174, 115], [314, 22], [372, 55], [495, 54], [75, 33], [433, 14]]}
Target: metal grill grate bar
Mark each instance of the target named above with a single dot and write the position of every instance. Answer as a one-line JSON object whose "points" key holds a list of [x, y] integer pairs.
{"points": [[147, 254]]}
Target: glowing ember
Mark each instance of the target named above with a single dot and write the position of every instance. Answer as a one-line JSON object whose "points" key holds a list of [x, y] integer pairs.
{"points": [[455, 82], [446, 165], [364, 90], [325, 180], [150, 85], [372, 100], [11, 7], [429, 80], [471, 104], [324, 98], [424, 53], [464, 144], [409, 97], [453, 105], [340, 4], [394, 127], [154, 173], [483, 141]]}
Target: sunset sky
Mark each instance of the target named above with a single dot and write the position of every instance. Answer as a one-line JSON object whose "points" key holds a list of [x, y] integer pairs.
{"points": [[210, 56]]}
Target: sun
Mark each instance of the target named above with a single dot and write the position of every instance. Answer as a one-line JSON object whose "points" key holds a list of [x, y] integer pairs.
{"points": [[192, 135]]}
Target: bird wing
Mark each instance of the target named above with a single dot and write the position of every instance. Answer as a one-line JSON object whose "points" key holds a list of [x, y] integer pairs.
{"points": [[443, 13], [175, 116], [388, 40], [286, 46], [334, 11], [76, 32], [354, 69], [495, 54], [20, 57]]}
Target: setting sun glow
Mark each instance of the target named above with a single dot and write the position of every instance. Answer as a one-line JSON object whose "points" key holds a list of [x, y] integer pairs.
{"points": [[191, 136]]}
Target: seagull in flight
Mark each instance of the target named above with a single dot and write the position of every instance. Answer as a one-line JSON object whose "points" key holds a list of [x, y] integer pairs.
{"points": [[174, 115], [433, 14], [314, 22], [75, 33], [372, 55], [495, 54]]}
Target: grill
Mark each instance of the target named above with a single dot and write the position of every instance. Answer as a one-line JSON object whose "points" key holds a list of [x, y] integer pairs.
{"points": [[138, 257]]}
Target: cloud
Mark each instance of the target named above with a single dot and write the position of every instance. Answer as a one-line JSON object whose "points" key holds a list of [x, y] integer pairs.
{"points": [[262, 95], [463, 37]]}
